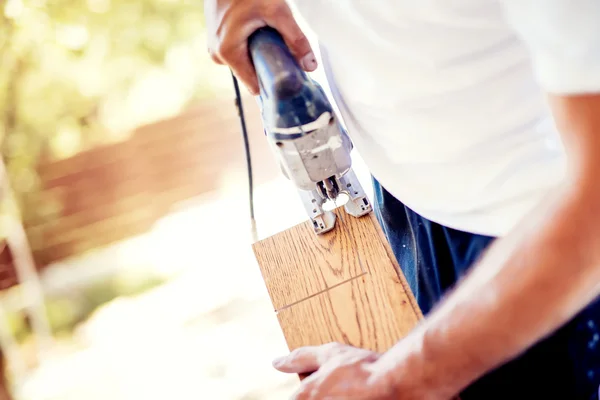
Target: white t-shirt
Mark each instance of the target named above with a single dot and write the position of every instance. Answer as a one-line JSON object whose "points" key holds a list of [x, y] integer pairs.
{"points": [[445, 99]]}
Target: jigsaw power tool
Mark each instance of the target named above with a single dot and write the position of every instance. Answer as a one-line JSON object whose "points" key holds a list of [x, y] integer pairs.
{"points": [[311, 146]]}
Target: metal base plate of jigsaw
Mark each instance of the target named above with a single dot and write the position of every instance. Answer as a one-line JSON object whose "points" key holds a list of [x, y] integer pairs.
{"points": [[324, 221]]}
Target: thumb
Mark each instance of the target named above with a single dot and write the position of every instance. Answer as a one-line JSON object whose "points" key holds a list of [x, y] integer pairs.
{"points": [[283, 20]]}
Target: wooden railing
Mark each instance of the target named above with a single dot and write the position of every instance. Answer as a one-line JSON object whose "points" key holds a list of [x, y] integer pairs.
{"points": [[113, 192]]}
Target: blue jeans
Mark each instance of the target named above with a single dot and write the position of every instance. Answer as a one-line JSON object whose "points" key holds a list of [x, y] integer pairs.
{"points": [[566, 365]]}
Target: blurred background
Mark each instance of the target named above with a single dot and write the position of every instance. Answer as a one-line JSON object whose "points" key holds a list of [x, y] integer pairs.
{"points": [[126, 268]]}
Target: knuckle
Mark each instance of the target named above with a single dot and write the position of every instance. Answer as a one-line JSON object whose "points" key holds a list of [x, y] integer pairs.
{"points": [[276, 9], [230, 47], [226, 52], [297, 353], [293, 356], [214, 56], [328, 346], [332, 347], [222, 49]]}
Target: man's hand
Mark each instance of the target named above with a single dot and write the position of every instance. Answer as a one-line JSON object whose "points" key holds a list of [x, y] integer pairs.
{"points": [[231, 22], [338, 372]]}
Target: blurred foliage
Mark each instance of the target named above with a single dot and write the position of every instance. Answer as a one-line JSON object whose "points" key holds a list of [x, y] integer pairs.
{"points": [[65, 312], [79, 73]]}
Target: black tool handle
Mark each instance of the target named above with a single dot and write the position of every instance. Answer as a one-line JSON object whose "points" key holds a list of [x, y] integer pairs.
{"points": [[290, 98], [279, 74]]}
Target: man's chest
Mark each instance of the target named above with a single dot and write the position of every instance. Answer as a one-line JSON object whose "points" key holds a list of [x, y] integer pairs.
{"points": [[412, 73], [412, 48], [405, 36], [396, 15]]}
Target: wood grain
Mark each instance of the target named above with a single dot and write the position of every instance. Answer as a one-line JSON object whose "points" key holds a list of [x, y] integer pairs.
{"points": [[291, 278], [344, 286]]}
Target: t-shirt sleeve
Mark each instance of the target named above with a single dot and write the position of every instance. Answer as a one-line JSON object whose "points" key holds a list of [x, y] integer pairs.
{"points": [[563, 37]]}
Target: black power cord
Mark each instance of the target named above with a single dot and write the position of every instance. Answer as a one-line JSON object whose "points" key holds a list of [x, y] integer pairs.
{"points": [[240, 109]]}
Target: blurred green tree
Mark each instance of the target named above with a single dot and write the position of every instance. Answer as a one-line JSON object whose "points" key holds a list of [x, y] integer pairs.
{"points": [[79, 73]]}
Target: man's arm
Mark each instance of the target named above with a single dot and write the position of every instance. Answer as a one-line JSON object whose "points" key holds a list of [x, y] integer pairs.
{"points": [[528, 283], [547, 269]]}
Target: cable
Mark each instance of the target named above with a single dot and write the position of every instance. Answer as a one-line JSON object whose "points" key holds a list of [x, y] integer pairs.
{"points": [[240, 109]]}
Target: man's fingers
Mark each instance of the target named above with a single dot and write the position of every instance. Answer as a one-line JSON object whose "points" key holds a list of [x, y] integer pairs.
{"points": [[307, 359], [215, 57], [239, 62], [282, 19], [229, 44], [244, 71], [233, 50], [237, 57]]}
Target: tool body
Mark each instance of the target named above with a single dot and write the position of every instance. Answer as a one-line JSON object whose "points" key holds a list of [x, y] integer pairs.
{"points": [[312, 147]]}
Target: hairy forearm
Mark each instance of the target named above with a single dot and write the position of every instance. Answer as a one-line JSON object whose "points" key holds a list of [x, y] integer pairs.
{"points": [[526, 286]]}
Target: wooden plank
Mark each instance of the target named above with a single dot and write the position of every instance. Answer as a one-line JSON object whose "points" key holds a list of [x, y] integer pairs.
{"points": [[323, 263], [344, 286], [363, 312]]}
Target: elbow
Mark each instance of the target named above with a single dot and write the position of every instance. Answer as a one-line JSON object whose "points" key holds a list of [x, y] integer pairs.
{"points": [[583, 182], [577, 117]]}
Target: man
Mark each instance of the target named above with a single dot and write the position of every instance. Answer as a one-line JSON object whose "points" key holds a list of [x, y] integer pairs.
{"points": [[480, 122]]}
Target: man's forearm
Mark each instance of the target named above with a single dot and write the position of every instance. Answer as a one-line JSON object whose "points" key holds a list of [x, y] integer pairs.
{"points": [[527, 285]]}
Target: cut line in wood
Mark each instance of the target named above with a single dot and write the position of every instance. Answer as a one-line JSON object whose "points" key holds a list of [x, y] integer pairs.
{"points": [[343, 286]]}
